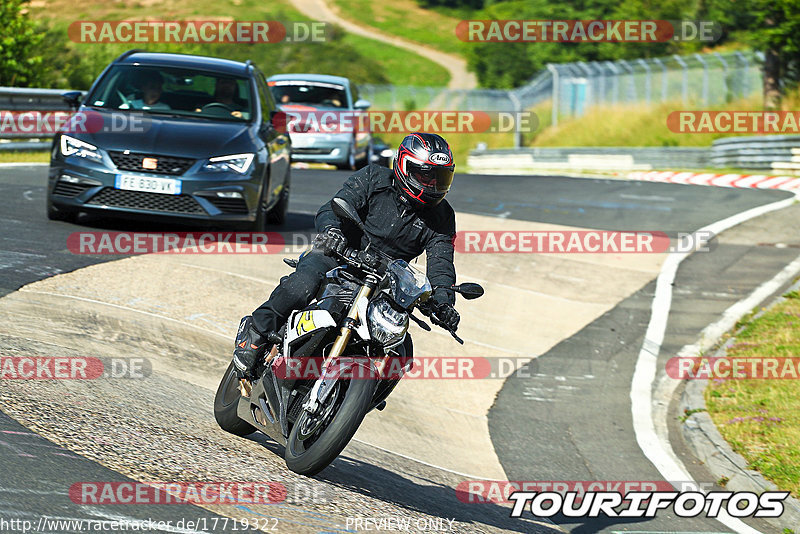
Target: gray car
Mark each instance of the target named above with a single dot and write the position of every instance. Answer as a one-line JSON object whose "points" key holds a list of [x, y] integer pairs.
{"points": [[306, 98]]}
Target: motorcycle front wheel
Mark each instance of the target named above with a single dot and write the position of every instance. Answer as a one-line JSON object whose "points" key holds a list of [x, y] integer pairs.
{"points": [[316, 440]]}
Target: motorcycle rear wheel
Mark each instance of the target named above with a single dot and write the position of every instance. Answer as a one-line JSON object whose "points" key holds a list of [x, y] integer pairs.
{"points": [[225, 403]]}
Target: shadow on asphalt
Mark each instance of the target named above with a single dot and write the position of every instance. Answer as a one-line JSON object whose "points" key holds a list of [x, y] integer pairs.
{"points": [[376, 482]]}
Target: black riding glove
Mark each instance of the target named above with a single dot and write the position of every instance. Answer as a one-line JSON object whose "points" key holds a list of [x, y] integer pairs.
{"points": [[445, 314], [332, 242]]}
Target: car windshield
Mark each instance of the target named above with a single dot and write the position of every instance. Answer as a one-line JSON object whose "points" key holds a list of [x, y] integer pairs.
{"points": [[318, 94], [174, 91]]}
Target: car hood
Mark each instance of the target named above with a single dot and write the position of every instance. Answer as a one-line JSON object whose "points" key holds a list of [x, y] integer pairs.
{"points": [[175, 136]]}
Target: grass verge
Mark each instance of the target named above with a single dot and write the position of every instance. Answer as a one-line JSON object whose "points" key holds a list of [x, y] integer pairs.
{"points": [[436, 29], [760, 419], [26, 156], [363, 60]]}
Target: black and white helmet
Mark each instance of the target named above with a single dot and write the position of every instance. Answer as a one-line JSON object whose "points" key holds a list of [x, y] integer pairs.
{"points": [[424, 169]]}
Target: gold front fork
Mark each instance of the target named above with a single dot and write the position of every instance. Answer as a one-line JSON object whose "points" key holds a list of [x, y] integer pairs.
{"points": [[344, 334]]}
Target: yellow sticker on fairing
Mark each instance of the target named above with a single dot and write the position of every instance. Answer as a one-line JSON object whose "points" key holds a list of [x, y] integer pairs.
{"points": [[305, 324]]}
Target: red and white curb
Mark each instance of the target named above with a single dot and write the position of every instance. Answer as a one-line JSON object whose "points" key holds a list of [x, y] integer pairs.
{"points": [[758, 181]]}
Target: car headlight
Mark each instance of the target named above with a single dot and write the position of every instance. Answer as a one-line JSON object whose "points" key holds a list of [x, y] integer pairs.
{"points": [[235, 162], [387, 325], [75, 147]]}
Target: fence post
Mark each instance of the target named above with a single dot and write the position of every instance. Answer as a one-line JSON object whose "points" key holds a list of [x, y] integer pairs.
{"points": [[705, 78], [589, 80], [685, 82], [614, 81], [554, 112], [724, 74], [517, 112], [647, 86], [663, 78], [631, 93], [743, 77]]}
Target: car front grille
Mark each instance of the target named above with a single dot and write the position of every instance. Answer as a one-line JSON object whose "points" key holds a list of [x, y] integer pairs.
{"points": [[164, 164], [120, 198], [230, 205], [66, 189]]}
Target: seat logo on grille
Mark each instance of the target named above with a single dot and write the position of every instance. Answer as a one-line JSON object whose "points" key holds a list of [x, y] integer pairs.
{"points": [[149, 163]]}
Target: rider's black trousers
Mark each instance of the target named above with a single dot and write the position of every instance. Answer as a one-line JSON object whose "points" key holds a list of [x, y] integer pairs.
{"points": [[294, 292]]}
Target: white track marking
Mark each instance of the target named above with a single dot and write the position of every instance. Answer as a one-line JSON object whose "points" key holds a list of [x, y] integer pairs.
{"points": [[253, 278], [658, 451], [118, 306], [22, 164]]}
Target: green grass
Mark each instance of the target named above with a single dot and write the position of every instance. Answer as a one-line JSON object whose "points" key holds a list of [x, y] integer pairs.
{"points": [[18, 156], [363, 60], [635, 124], [400, 66], [761, 418], [434, 28]]}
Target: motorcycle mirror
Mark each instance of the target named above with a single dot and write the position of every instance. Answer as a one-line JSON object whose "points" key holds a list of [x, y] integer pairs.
{"points": [[469, 290], [343, 210]]}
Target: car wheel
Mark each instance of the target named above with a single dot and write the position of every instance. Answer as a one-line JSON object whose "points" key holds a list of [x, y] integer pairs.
{"points": [[277, 215], [350, 163], [60, 214], [260, 224], [367, 159]]}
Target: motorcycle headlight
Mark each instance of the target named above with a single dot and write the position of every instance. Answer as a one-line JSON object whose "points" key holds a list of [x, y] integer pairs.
{"points": [[75, 147], [386, 325], [235, 162]]}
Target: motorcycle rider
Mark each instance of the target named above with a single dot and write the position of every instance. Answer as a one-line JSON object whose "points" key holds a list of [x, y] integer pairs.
{"points": [[404, 213]]}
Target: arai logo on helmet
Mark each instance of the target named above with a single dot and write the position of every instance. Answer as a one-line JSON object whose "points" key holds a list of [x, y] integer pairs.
{"points": [[439, 158]]}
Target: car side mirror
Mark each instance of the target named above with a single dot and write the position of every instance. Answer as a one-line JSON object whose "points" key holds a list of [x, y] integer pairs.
{"points": [[362, 104], [72, 98]]}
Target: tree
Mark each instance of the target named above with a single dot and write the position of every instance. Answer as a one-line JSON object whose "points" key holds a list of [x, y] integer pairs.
{"points": [[18, 61], [772, 26]]}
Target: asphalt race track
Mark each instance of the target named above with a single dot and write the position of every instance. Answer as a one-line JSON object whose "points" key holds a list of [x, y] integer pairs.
{"points": [[570, 421]]}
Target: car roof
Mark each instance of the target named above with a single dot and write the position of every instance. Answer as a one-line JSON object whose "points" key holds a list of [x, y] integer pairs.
{"points": [[310, 78], [214, 64]]}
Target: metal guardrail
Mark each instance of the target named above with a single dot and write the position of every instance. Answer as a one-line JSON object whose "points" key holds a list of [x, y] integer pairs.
{"points": [[772, 152], [580, 159], [29, 99], [777, 153]]}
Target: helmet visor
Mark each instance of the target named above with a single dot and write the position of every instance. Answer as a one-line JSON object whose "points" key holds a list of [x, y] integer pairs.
{"points": [[431, 178]]}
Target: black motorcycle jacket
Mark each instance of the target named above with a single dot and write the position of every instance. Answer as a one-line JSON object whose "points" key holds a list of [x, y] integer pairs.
{"points": [[395, 228]]}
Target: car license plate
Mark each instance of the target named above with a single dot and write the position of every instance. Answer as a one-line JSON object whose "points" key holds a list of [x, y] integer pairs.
{"points": [[148, 184]]}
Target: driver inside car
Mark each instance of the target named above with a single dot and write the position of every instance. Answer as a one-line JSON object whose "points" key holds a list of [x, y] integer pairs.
{"points": [[225, 91], [404, 213]]}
